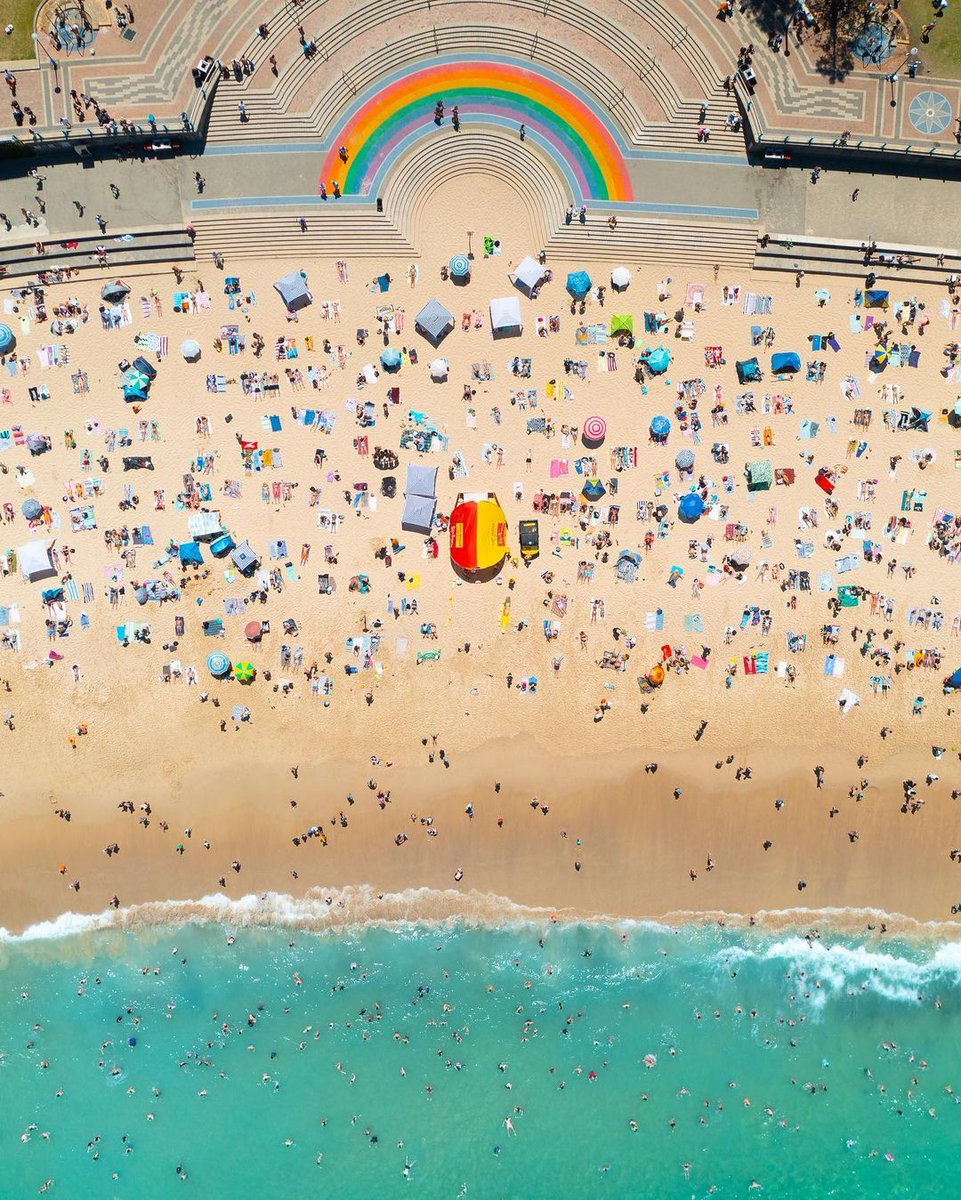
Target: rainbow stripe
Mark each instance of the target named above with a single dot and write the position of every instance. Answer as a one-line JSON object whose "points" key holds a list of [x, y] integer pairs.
{"points": [[558, 117]]}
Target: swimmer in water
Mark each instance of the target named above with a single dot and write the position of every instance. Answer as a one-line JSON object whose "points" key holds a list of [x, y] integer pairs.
{"points": [[509, 1124]]}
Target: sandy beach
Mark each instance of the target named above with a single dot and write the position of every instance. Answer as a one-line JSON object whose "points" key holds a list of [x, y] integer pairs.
{"points": [[156, 742]]}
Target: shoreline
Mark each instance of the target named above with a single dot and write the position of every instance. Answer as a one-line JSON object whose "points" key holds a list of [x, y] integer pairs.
{"points": [[357, 909]]}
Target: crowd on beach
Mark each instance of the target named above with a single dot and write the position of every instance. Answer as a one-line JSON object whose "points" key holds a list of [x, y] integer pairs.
{"points": [[716, 523]]}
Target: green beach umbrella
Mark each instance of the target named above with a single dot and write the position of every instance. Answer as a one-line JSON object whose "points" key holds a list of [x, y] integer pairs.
{"points": [[244, 672]]}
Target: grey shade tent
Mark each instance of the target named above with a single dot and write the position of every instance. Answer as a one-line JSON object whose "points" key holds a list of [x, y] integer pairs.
{"points": [[245, 559], [420, 499], [434, 322], [114, 292], [294, 291], [36, 561], [529, 275]]}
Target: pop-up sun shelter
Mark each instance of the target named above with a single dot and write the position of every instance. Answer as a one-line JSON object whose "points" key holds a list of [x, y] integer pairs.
{"points": [[191, 554], [658, 360], [420, 499], [294, 291], [875, 298], [622, 325], [506, 317], [785, 364], [478, 536], [245, 559], [749, 371], [434, 322], [760, 475], [529, 275], [35, 561]]}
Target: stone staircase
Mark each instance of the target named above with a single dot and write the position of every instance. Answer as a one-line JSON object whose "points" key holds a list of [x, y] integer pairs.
{"points": [[641, 239], [148, 247], [335, 230], [270, 118]]}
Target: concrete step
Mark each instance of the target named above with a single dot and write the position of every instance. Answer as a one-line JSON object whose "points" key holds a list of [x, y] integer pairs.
{"points": [[648, 240], [148, 246]]}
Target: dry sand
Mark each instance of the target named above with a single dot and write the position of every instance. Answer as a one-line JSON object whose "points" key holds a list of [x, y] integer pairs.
{"points": [[151, 741]]}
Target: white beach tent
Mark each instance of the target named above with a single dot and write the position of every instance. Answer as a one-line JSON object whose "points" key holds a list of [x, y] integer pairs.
{"points": [[529, 275], [35, 561], [506, 317]]}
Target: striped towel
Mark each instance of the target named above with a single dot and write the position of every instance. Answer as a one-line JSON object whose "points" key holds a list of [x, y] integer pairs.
{"points": [[88, 593], [73, 592], [762, 661], [164, 346], [144, 307]]}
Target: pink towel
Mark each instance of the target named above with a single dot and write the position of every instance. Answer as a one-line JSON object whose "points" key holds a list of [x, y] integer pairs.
{"points": [[558, 467]]}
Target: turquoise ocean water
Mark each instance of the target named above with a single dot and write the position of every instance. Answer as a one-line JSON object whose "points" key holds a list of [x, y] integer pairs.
{"points": [[815, 1069]]}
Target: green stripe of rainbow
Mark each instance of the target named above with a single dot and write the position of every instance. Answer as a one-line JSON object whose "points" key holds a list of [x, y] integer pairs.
{"points": [[509, 94]]}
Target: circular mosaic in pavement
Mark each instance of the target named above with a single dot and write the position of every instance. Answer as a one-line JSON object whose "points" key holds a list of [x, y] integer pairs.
{"points": [[930, 112]]}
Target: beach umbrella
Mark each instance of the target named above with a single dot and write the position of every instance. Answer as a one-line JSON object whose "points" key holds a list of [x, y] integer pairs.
{"points": [[593, 490], [684, 460], [439, 368], [578, 284], [253, 631], [460, 266], [31, 509], [115, 291], [7, 339], [244, 672], [593, 432], [690, 508], [391, 359], [620, 278], [218, 664], [660, 428], [658, 360], [190, 349]]}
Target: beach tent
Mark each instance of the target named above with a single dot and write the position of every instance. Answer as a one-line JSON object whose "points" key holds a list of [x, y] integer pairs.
{"points": [[506, 317], [434, 322], [478, 536], [190, 554], [293, 291], [620, 279], [578, 284], [245, 559], [420, 499], [748, 371], [36, 561], [690, 508], [875, 298], [114, 292], [529, 275], [622, 324], [657, 361], [8, 339], [785, 364], [204, 525], [593, 489], [760, 475]]}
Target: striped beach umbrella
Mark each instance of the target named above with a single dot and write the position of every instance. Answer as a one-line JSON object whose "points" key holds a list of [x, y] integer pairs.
{"points": [[460, 265], [218, 664], [244, 672], [593, 432]]}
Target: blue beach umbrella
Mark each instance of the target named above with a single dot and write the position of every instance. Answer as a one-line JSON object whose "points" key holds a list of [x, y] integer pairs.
{"points": [[660, 428], [460, 265], [658, 360], [593, 490], [690, 508], [7, 339], [391, 359], [578, 284]]}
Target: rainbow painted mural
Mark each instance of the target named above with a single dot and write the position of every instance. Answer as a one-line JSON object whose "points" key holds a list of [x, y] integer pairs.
{"points": [[558, 117]]}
